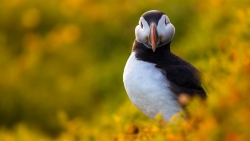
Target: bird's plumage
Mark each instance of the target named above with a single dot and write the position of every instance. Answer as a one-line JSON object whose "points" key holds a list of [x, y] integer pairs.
{"points": [[148, 89], [152, 16], [153, 76], [183, 77]]}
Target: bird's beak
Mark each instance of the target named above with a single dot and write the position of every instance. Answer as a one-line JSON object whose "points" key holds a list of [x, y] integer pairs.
{"points": [[153, 37]]}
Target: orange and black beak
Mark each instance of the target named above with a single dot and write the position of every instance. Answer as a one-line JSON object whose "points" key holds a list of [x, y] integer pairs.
{"points": [[153, 36]]}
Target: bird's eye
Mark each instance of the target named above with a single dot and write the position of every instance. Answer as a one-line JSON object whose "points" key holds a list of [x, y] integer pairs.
{"points": [[141, 25], [166, 21]]}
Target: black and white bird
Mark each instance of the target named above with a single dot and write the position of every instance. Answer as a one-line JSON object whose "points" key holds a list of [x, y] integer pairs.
{"points": [[153, 76]]}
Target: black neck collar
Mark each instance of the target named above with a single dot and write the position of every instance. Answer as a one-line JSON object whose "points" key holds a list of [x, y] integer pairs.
{"points": [[146, 54], [139, 47]]}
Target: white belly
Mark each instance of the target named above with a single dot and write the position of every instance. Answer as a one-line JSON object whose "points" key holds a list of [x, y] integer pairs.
{"points": [[148, 88]]}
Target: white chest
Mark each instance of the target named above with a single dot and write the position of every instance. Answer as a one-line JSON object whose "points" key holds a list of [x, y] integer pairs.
{"points": [[148, 88]]}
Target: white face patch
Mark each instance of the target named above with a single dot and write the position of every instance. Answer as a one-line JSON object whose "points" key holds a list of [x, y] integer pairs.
{"points": [[164, 29], [142, 31]]}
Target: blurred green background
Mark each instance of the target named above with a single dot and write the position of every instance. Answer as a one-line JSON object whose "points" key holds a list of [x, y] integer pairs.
{"points": [[61, 61]]}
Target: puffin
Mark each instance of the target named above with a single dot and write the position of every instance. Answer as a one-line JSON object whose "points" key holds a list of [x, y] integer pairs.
{"points": [[154, 78]]}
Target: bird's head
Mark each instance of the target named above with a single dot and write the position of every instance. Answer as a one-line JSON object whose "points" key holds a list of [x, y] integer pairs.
{"points": [[154, 29]]}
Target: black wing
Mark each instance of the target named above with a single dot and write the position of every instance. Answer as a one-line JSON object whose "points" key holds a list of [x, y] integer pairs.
{"points": [[184, 79]]}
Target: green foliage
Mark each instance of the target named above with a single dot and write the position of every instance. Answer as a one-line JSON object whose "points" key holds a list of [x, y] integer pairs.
{"points": [[61, 65]]}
